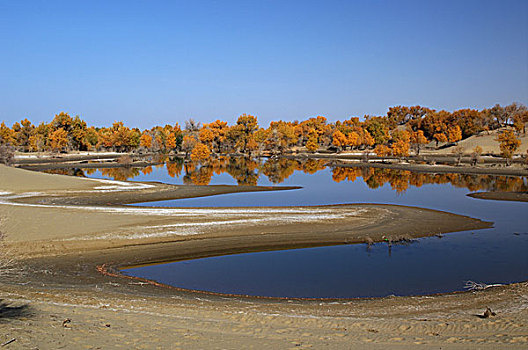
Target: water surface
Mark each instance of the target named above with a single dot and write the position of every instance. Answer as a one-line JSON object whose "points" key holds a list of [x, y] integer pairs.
{"points": [[429, 265]]}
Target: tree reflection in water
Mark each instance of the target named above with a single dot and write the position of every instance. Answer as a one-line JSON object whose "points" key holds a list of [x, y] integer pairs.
{"points": [[247, 171]]}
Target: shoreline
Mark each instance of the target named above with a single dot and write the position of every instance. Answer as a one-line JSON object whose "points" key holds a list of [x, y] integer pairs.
{"points": [[63, 277]]}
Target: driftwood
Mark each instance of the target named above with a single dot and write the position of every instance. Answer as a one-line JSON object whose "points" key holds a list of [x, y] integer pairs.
{"points": [[488, 313], [8, 342], [470, 285]]}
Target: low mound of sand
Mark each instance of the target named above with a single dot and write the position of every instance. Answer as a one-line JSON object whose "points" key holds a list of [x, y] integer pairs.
{"points": [[18, 180], [487, 141]]}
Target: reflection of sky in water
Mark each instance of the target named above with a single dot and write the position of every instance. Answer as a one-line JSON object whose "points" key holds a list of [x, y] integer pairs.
{"points": [[496, 255]]}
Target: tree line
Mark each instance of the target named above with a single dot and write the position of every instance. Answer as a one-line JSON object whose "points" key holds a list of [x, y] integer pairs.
{"points": [[402, 130]]}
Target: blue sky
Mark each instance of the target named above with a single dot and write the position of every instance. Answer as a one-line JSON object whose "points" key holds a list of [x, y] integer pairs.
{"points": [[159, 62]]}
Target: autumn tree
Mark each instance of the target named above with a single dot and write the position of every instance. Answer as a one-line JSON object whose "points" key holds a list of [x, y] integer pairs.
{"points": [[200, 153], [241, 134], [508, 143], [382, 150], [475, 155], [219, 129], [435, 126], [25, 133], [353, 139], [6, 135], [159, 138], [519, 121], [281, 136], [311, 144], [513, 111], [39, 139], [319, 124], [378, 129], [170, 143], [206, 136], [122, 137], [454, 133], [145, 141], [400, 144], [261, 137], [401, 115], [92, 137], [36, 142], [339, 140], [188, 144], [367, 139], [59, 140], [468, 121], [77, 134], [104, 138], [62, 121], [417, 140], [169, 138]]}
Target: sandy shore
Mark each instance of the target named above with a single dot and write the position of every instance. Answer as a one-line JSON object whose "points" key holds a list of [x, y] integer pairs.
{"points": [[62, 228], [501, 196]]}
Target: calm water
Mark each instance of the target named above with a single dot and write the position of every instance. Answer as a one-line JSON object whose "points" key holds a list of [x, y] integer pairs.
{"points": [[429, 265]]}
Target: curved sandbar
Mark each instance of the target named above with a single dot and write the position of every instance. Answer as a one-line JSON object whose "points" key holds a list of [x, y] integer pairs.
{"points": [[501, 196], [63, 243], [85, 215]]}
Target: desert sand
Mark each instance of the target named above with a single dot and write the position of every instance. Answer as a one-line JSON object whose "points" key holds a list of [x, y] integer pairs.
{"points": [[63, 232]]}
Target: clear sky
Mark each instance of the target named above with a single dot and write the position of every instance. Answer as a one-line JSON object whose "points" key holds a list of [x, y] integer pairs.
{"points": [[158, 62]]}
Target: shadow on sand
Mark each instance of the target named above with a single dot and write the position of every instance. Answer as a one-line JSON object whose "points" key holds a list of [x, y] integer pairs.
{"points": [[9, 311]]}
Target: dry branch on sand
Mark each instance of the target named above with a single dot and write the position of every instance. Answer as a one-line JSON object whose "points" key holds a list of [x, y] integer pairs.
{"points": [[471, 285]]}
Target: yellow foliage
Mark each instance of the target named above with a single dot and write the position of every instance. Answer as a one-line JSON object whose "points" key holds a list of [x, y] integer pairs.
{"points": [[400, 148], [508, 143], [206, 136], [382, 150], [59, 140], [200, 153], [145, 141], [170, 143], [311, 144], [339, 139]]}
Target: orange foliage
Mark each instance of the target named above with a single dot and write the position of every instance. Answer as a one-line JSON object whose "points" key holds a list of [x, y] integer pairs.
{"points": [[145, 141], [508, 143], [382, 150], [59, 140], [339, 140], [311, 144], [200, 153], [454, 133], [206, 136], [170, 143]]}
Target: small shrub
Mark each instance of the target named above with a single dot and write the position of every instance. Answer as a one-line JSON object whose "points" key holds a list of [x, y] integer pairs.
{"points": [[6, 154], [125, 160]]}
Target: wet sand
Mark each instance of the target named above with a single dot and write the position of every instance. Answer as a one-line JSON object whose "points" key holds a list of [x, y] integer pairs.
{"points": [[63, 233]]}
